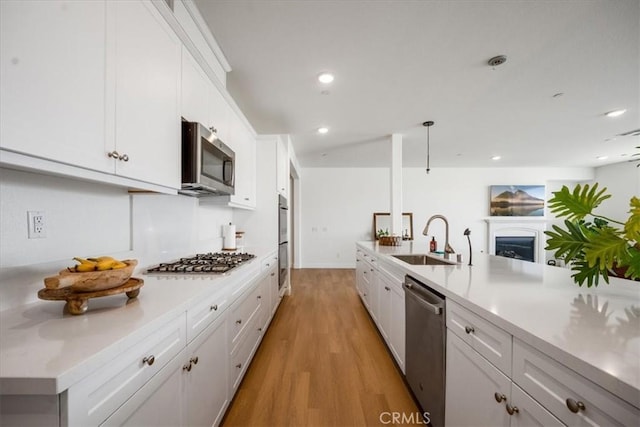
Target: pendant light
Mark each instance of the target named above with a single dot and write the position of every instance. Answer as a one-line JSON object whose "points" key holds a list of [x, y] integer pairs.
{"points": [[428, 124]]}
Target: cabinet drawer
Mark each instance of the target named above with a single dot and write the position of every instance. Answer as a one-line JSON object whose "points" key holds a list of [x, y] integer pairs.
{"points": [[241, 313], [96, 397], [553, 384], [269, 262], [241, 355], [484, 337], [205, 312]]}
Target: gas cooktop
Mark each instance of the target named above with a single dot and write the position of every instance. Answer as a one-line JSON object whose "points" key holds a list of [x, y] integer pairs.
{"points": [[218, 262]]}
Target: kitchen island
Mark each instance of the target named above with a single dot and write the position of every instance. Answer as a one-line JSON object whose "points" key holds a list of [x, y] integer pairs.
{"points": [[592, 332]]}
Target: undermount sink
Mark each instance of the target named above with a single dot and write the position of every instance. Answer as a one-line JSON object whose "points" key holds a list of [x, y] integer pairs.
{"points": [[421, 259]]}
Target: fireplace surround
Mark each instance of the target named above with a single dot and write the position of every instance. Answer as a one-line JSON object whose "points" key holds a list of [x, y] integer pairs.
{"points": [[518, 233]]}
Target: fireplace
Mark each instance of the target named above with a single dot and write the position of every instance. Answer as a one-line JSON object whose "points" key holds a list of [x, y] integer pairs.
{"points": [[517, 247], [518, 238]]}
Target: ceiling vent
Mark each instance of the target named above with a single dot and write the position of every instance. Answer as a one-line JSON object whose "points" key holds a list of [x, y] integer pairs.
{"points": [[635, 132]]}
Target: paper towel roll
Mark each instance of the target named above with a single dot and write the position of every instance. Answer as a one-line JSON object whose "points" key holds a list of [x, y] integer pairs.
{"points": [[229, 237]]}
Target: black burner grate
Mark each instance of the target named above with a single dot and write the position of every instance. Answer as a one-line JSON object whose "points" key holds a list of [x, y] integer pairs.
{"points": [[216, 262]]}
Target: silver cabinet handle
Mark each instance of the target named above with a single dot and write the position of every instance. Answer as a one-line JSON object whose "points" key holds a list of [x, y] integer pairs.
{"points": [[259, 329], [386, 288], [124, 158], [469, 329], [512, 409], [194, 360], [187, 367], [239, 365], [259, 296], [239, 321], [499, 397], [114, 155], [213, 307], [574, 406], [149, 360], [273, 274]]}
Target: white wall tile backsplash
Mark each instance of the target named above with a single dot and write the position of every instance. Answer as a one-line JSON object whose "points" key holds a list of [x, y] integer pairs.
{"points": [[88, 219], [82, 218]]}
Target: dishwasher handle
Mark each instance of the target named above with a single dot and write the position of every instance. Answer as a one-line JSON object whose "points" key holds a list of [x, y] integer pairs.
{"points": [[435, 308]]}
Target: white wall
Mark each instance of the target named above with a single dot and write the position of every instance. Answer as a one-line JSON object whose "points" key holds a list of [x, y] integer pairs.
{"points": [[337, 207], [88, 219], [338, 204], [622, 181]]}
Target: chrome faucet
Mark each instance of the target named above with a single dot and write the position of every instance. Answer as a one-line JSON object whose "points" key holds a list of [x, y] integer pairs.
{"points": [[447, 248]]}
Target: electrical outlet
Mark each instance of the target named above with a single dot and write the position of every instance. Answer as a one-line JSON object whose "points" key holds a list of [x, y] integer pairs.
{"points": [[36, 225]]}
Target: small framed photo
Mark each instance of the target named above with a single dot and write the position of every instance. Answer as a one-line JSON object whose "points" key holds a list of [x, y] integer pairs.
{"points": [[517, 200]]}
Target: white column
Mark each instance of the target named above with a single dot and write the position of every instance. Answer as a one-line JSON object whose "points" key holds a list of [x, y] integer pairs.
{"points": [[396, 184]]}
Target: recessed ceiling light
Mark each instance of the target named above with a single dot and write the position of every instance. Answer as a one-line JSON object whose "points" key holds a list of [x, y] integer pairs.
{"points": [[325, 78], [323, 130], [602, 157], [496, 158], [615, 113]]}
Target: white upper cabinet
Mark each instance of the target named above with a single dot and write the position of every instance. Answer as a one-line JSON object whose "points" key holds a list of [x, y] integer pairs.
{"points": [[195, 91], [283, 166], [202, 102], [52, 101], [243, 143], [219, 113], [92, 84], [147, 93]]}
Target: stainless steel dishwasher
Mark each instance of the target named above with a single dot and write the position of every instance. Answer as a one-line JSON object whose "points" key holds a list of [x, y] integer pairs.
{"points": [[425, 348]]}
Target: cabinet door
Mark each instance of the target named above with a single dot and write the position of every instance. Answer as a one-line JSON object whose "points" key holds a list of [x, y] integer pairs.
{"points": [[206, 376], [219, 112], [244, 146], [529, 412], [52, 59], [159, 403], [384, 307], [471, 386], [397, 325], [273, 286], [147, 93], [283, 166], [195, 91]]}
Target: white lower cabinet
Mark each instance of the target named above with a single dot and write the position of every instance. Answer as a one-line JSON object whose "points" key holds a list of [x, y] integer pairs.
{"points": [[572, 398], [160, 402], [478, 394], [95, 398], [205, 376], [191, 390], [381, 292], [391, 315]]}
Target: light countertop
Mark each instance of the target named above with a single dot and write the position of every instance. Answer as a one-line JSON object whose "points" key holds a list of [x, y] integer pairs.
{"points": [[44, 351], [594, 331]]}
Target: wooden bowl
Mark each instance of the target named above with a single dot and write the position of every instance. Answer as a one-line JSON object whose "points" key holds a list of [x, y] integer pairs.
{"points": [[92, 281]]}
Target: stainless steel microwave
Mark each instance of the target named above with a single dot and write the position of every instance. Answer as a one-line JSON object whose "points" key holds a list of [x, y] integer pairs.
{"points": [[207, 163]]}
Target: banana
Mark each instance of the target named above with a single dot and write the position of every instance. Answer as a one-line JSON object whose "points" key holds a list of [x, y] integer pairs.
{"points": [[106, 264], [102, 258], [85, 265], [118, 265]]}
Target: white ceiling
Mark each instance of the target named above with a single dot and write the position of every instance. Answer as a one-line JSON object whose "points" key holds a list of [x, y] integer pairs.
{"points": [[400, 63]]}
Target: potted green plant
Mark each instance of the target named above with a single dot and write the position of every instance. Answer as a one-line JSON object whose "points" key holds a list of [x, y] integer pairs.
{"points": [[595, 246]]}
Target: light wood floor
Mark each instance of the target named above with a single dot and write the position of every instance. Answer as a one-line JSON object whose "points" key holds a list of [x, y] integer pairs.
{"points": [[321, 363]]}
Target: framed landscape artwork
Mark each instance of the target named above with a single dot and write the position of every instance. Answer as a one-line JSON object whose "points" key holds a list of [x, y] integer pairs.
{"points": [[517, 200]]}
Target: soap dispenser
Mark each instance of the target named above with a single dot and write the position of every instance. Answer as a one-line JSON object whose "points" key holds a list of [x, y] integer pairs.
{"points": [[433, 245]]}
